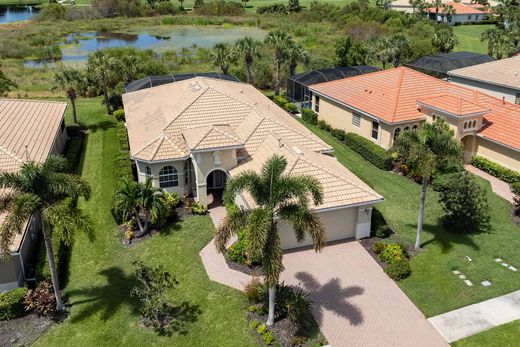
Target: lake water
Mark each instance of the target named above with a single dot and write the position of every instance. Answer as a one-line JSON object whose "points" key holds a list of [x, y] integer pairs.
{"points": [[189, 37], [15, 14]]}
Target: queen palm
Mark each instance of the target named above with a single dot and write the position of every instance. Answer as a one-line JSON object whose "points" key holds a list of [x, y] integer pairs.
{"points": [[296, 54], [100, 65], [280, 42], [48, 192], [222, 56], [249, 48], [278, 198], [141, 200], [427, 151], [69, 80]]}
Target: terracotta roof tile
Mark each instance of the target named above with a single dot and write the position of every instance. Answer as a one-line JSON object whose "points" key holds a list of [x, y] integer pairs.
{"points": [[455, 105], [458, 7]]}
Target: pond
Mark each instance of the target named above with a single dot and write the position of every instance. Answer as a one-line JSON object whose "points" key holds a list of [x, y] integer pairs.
{"points": [[76, 48], [15, 14]]}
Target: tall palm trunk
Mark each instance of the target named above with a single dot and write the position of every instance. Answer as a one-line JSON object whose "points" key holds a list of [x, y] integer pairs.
{"points": [[52, 266], [224, 69], [292, 67], [248, 68], [277, 81], [421, 212], [270, 315], [73, 103], [105, 94]]}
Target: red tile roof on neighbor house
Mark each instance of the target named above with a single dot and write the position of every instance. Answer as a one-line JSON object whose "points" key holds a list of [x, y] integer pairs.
{"points": [[456, 105], [392, 96], [458, 7]]}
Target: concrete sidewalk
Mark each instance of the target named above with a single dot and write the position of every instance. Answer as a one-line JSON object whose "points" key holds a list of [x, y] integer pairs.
{"points": [[472, 319]]}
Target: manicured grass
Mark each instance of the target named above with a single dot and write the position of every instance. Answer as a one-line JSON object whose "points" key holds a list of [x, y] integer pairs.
{"points": [[469, 38], [19, 2], [100, 273], [506, 335], [432, 286]]}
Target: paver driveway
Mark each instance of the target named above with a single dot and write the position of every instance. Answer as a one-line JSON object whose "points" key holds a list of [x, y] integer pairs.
{"points": [[356, 304]]}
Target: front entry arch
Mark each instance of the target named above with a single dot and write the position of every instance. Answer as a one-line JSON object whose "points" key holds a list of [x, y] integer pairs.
{"points": [[469, 145], [215, 184]]}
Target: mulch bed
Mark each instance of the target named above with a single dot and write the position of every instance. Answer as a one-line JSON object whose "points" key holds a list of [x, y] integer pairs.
{"points": [[516, 219], [368, 244], [23, 331], [254, 270]]}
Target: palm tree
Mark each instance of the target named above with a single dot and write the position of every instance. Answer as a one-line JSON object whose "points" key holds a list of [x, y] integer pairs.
{"points": [[427, 151], [222, 56], [437, 4], [100, 65], [380, 51], [449, 11], [418, 6], [69, 80], [48, 192], [249, 48], [444, 39], [493, 36], [295, 54], [280, 42], [278, 197], [140, 200], [400, 48]]}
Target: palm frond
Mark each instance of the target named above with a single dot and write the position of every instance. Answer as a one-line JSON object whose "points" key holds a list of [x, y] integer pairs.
{"points": [[55, 163], [272, 257], [299, 188], [65, 219], [67, 185], [247, 180], [257, 231], [235, 220], [304, 222], [10, 180]]}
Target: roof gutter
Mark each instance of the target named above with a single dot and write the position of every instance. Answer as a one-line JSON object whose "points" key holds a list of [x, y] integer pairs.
{"points": [[372, 202], [498, 143], [158, 161], [469, 115]]}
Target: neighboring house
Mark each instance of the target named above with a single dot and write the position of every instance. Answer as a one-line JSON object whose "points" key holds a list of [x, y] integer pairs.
{"points": [[405, 6], [499, 78], [439, 64], [191, 136], [380, 105], [29, 131], [463, 14]]}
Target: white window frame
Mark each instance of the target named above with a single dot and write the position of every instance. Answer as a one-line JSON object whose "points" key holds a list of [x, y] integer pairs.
{"points": [[170, 178], [357, 118], [375, 128]]}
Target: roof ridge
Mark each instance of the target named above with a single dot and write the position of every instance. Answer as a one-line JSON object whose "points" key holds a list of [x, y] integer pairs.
{"points": [[33, 100], [204, 136], [223, 132], [185, 108], [161, 140], [398, 92], [308, 136]]}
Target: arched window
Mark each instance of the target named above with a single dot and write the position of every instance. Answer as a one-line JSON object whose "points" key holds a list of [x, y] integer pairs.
{"points": [[465, 125], [474, 123], [216, 158], [168, 177], [415, 127], [148, 172], [406, 128], [396, 133], [434, 117]]}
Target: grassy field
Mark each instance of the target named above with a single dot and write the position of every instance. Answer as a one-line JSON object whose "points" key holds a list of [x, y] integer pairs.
{"points": [[100, 273], [469, 38], [432, 286], [507, 335]]}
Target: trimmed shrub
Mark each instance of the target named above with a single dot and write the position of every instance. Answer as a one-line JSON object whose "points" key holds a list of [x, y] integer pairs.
{"points": [[11, 304], [339, 134], [515, 188], [73, 130], [119, 115], [393, 252], [270, 9], [42, 271], [494, 169], [323, 125], [237, 252], [398, 270], [369, 150], [198, 208], [280, 101], [464, 203], [383, 231], [220, 8], [291, 108], [309, 116], [378, 247]]}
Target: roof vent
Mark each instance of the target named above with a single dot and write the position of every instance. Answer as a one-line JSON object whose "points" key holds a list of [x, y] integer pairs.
{"points": [[241, 91], [195, 86], [297, 151]]}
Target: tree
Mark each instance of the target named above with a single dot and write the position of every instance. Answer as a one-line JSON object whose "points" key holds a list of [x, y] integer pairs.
{"points": [[449, 11], [464, 203], [69, 80], [100, 65], [418, 6], [400, 48], [444, 39], [222, 56], [250, 49], [428, 151], [380, 51], [142, 201], [295, 54], [280, 42], [294, 6], [278, 197], [349, 52], [438, 5], [6, 84], [46, 191], [182, 2]]}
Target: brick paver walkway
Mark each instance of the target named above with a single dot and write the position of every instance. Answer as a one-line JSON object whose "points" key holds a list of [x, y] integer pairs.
{"points": [[499, 187]]}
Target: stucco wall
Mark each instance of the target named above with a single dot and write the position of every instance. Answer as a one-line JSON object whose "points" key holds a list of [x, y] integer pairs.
{"points": [[10, 274], [499, 154], [491, 89], [339, 224], [156, 168], [458, 18]]}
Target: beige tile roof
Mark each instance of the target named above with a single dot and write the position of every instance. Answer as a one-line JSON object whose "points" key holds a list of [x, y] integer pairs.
{"points": [[28, 129], [504, 72], [168, 111], [340, 186], [212, 136]]}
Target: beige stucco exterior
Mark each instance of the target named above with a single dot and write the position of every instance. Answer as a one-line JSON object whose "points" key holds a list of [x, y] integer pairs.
{"points": [[502, 155]]}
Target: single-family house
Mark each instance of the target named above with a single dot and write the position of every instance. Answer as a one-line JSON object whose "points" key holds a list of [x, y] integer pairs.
{"points": [[30, 130], [462, 13], [380, 105], [190, 136], [499, 78]]}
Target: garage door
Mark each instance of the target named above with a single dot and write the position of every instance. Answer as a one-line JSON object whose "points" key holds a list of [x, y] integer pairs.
{"points": [[339, 224]]}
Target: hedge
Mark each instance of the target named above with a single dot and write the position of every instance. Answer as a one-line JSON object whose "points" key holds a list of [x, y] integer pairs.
{"points": [[42, 270], [123, 165], [309, 116], [495, 169], [368, 150], [73, 153], [11, 304], [515, 188]]}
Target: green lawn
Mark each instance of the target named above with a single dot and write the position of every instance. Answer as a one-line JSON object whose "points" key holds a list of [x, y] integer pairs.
{"points": [[100, 273], [469, 38], [506, 335], [432, 286]]}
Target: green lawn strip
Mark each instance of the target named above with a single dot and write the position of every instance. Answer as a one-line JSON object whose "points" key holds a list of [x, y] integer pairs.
{"points": [[507, 335], [100, 273], [19, 2], [432, 286], [469, 38]]}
